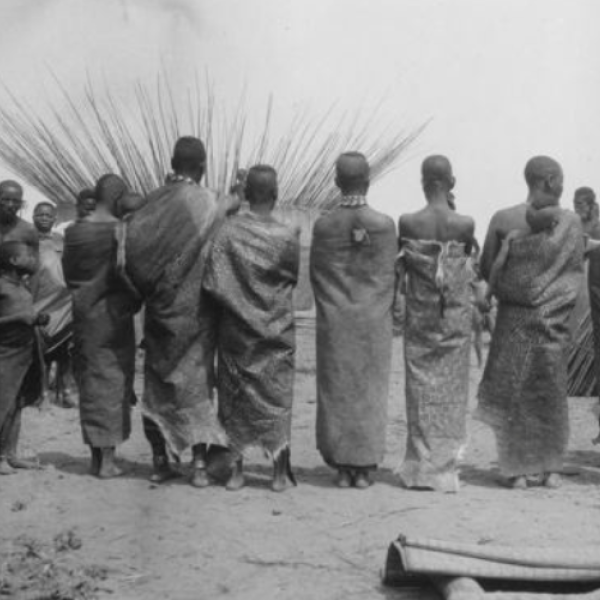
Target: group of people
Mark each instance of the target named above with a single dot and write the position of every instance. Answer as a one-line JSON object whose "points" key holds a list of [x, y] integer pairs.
{"points": [[214, 275]]}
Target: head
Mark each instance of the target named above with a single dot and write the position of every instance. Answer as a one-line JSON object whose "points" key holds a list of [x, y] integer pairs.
{"points": [[544, 177], [189, 158], [110, 190], [11, 201], [352, 174], [44, 216], [17, 257], [261, 187], [86, 202], [584, 203], [437, 177]]}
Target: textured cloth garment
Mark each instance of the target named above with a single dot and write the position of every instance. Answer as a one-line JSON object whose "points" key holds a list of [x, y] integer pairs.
{"points": [[104, 338], [594, 299], [352, 273], [17, 348], [523, 393], [437, 342], [51, 294], [251, 274], [165, 252]]}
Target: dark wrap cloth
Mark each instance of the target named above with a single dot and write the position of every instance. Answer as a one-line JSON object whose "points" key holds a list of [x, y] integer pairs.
{"points": [[251, 274], [20, 374], [437, 343], [352, 273], [523, 393], [104, 337], [166, 245]]}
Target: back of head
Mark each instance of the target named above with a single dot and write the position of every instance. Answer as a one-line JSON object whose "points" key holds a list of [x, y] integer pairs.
{"points": [[544, 174], [189, 157], [261, 185], [436, 174], [10, 184], [352, 173], [9, 251], [86, 194], [110, 188]]}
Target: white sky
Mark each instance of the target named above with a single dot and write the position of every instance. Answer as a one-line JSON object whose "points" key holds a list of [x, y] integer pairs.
{"points": [[501, 79]]}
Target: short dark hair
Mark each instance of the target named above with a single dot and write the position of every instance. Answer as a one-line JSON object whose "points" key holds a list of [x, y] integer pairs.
{"points": [[85, 194], [10, 183], [8, 251], [352, 171], [188, 154], [261, 183], [585, 193], [541, 169], [44, 203]]}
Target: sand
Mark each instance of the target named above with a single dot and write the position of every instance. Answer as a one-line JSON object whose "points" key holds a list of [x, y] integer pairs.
{"points": [[134, 540]]}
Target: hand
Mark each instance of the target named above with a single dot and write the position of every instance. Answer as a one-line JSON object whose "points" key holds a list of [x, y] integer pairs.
{"points": [[42, 319]]}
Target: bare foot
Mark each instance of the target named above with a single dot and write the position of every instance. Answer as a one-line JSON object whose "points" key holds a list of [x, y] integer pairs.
{"points": [[109, 471], [5, 468], [362, 480], [281, 483], [200, 478], [162, 470], [235, 482], [552, 480], [23, 463], [596, 440], [518, 483], [344, 480]]}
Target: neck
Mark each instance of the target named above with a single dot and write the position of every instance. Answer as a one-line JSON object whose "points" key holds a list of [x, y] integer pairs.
{"points": [[8, 221], [261, 209], [438, 199]]}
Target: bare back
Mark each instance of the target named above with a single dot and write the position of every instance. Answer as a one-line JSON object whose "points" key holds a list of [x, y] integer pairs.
{"points": [[438, 224]]}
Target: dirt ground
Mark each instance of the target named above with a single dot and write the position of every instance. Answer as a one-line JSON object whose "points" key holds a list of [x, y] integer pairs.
{"points": [[128, 539]]}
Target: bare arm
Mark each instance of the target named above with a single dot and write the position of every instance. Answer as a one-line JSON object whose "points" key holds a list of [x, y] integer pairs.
{"points": [[491, 247]]}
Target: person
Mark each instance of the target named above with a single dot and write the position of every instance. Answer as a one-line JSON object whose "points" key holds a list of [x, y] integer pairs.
{"points": [[104, 338], [166, 243], [523, 392], [12, 227], [434, 265], [86, 203], [19, 365], [251, 273], [585, 205], [352, 274], [52, 296]]}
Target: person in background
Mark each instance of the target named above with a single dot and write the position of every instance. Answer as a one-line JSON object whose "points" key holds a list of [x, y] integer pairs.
{"points": [[51, 296], [12, 227], [20, 372], [352, 274]]}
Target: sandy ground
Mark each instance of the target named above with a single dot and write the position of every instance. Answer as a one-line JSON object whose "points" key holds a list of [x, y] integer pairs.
{"points": [[314, 541]]}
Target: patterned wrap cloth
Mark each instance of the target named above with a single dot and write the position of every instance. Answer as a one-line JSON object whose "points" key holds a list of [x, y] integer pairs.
{"points": [[437, 342], [523, 393], [352, 274], [165, 248], [251, 273]]}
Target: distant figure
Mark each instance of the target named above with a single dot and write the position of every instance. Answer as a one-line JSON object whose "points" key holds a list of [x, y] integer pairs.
{"points": [[86, 203], [52, 296], [20, 373], [12, 227], [523, 393], [167, 242], [435, 246], [585, 205], [352, 273], [104, 337], [251, 274]]}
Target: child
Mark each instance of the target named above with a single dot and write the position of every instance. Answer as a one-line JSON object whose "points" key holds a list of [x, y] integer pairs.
{"points": [[17, 349], [541, 215]]}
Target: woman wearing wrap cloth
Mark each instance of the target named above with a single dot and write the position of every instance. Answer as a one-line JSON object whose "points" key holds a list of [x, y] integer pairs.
{"points": [[433, 265], [523, 393], [104, 337]]}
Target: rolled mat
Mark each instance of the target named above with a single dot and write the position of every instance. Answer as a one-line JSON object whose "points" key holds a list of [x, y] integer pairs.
{"points": [[412, 561]]}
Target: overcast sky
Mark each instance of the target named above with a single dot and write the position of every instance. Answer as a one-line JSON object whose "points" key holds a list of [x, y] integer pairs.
{"points": [[502, 80]]}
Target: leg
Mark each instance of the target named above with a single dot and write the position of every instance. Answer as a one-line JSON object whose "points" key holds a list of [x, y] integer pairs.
{"points": [[108, 468], [161, 471], [65, 380], [236, 481], [96, 461], [13, 442], [199, 475], [344, 477], [282, 472], [5, 468]]}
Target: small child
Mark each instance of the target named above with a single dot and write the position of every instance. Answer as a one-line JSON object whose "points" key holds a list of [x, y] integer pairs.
{"points": [[17, 349], [541, 215]]}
